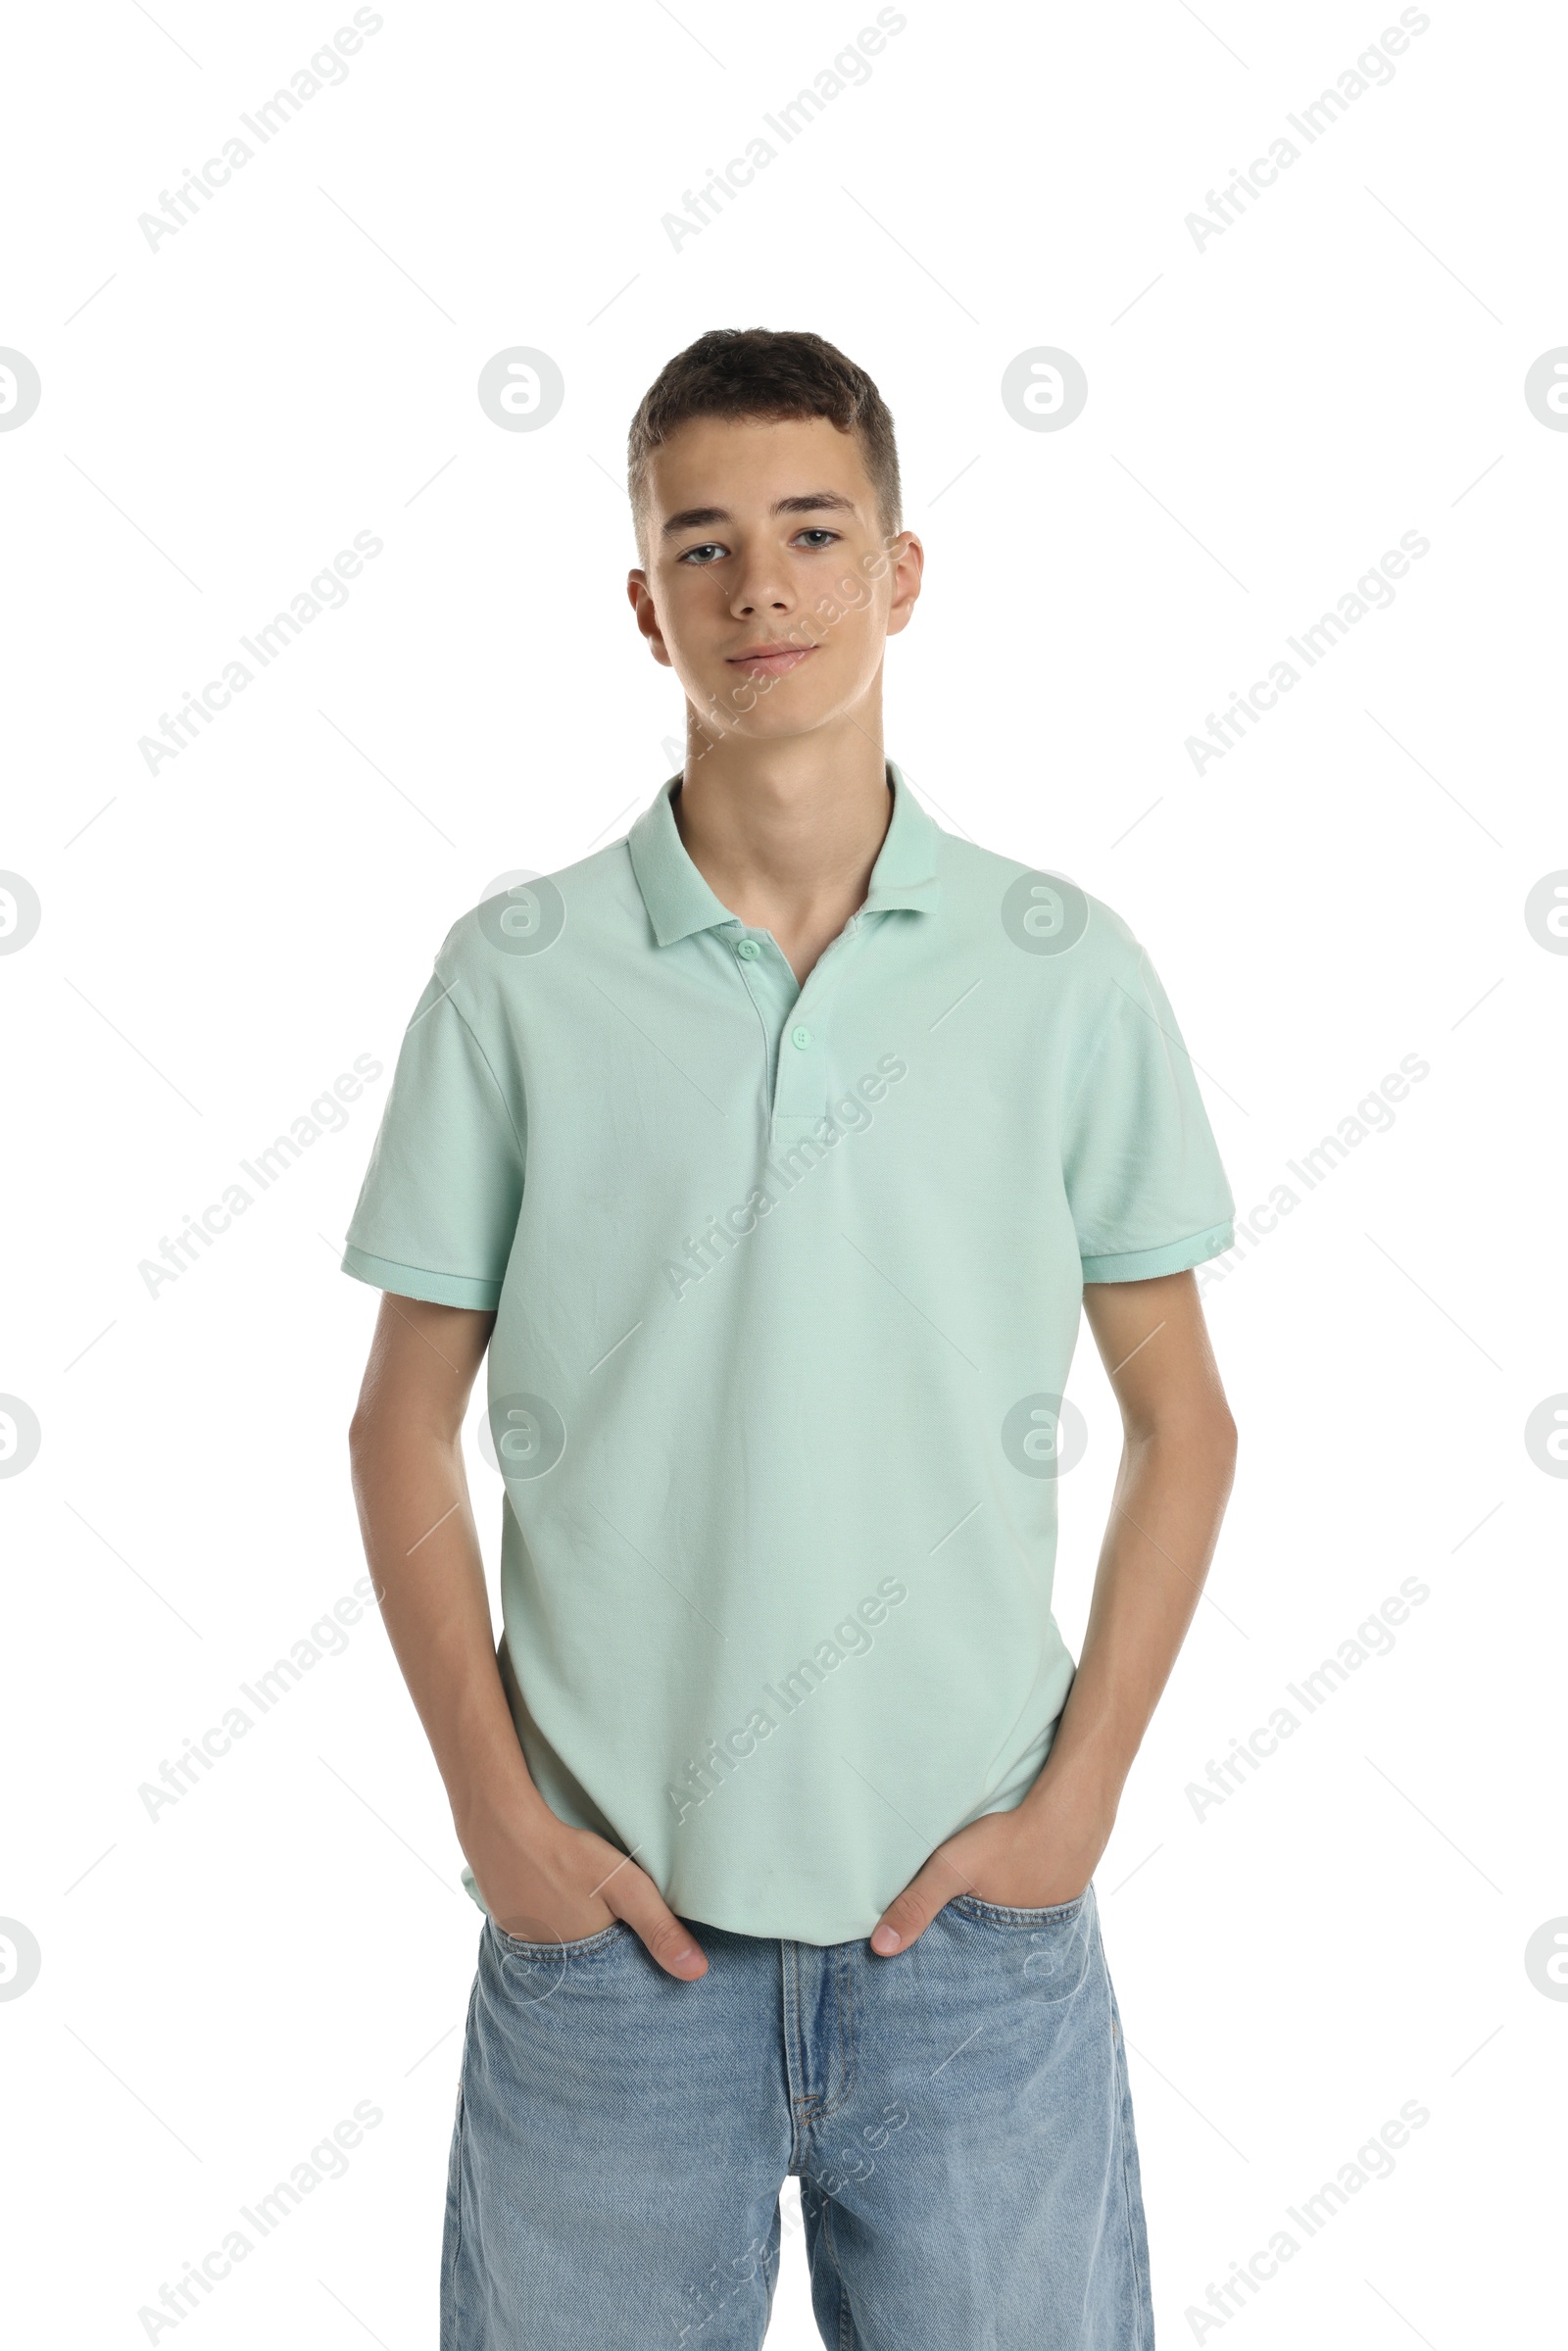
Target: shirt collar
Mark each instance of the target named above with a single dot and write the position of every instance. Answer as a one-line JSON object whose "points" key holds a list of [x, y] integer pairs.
{"points": [[679, 902]]}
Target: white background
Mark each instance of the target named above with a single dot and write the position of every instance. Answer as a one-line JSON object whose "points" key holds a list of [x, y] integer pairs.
{"points": [[1266, 415]]}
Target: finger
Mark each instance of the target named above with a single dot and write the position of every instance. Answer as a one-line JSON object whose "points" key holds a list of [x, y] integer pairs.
{"points": [[906, 1918], [633, 1896]]}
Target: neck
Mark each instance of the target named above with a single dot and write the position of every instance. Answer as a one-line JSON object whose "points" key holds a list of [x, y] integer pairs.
{"points": [[786, 833]]}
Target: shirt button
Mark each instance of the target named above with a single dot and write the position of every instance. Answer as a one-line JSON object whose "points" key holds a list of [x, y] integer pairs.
{"points": [[801, 1037], [749, 949]]}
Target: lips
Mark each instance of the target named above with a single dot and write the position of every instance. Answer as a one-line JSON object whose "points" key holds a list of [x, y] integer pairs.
{"points": [[770, 661]]}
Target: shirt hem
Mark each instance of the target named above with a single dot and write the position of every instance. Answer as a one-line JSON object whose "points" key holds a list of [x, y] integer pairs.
{"points": [[1141, 1265], [417, 1281]]}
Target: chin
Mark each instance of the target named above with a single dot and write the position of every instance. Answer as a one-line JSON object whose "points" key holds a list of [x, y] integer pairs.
{"points": [[781, 726], [804, 698]]}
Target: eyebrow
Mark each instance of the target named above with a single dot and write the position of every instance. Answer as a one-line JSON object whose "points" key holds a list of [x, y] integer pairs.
{"points": [[697, 517]]}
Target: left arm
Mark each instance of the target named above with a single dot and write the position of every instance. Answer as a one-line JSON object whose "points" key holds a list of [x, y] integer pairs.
{"points": [[1178, 1458]]}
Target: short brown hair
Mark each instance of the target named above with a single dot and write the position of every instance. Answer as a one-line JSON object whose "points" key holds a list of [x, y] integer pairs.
{"points": [[754, 372]]}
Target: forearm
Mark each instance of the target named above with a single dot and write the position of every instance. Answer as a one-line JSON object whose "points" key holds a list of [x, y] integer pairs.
{"points": [[1171, 1492], [423, 1552], [538, 1877]]}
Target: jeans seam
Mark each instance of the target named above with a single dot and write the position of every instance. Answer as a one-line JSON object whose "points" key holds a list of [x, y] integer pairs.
{"points": [[846, 2323], [519, 1948], [846, 2023], [460, 2150], [806, 2101], [456, 2225], [976, 1906], [1140, 2283]]}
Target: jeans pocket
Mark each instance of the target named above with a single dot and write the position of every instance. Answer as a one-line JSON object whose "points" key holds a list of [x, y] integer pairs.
{"points": [[999, 1914], [536, 1952], [1046, 1950]]}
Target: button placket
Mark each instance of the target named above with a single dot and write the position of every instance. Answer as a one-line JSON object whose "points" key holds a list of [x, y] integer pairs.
{"points": [[799, 1092], [772, 988], [797, 1047], [801, 1089]]}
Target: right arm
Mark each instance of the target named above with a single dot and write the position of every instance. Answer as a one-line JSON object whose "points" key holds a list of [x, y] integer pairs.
{"points": [[542, 1881]]}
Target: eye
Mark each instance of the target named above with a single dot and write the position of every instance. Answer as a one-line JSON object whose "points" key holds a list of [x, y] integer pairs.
{"points": [[819, 536], [698, 557]]}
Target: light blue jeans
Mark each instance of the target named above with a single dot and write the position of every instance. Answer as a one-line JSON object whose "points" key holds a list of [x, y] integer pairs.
{"points": [[958, 2118]]}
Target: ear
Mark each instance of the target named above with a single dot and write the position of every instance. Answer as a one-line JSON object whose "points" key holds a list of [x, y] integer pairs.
{"points": [[908, 565], [642, 604]]}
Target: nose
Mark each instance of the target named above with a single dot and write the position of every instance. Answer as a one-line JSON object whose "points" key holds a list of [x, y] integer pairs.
{"points": [[761, 586]]}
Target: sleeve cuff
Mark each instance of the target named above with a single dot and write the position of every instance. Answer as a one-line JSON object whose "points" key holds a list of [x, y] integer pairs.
{"points": [[1143, 1264], [415, 1281]]}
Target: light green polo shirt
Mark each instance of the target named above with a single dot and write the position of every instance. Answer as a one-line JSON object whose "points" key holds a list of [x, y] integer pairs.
{"points": [[787, 1282]]}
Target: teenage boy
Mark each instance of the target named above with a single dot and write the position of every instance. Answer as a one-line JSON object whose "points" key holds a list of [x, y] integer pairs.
{"points": [[770, 1151]]}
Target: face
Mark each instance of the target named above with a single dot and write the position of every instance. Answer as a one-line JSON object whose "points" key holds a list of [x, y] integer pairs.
{"points": [[771, 588]]}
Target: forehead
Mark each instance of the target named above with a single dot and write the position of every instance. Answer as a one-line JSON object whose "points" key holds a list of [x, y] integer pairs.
{"points": [[746, 463]]}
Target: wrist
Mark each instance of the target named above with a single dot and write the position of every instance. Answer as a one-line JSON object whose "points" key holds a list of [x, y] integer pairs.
{"points": [[492, 1821], [1084, 1786]]}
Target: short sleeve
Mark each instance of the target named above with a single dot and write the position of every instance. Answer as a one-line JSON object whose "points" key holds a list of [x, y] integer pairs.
{"points": [[1141, 1170], [439, 1205]]}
